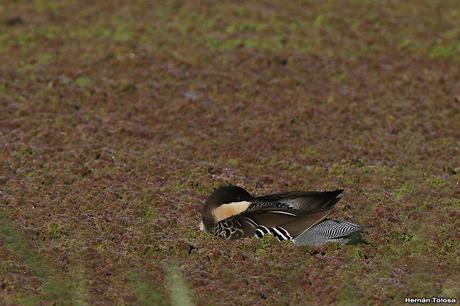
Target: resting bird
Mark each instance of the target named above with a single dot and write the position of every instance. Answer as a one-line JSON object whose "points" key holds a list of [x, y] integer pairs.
{"points": [[231, 213]]}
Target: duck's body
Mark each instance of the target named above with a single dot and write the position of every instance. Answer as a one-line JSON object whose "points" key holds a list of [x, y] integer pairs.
{"points": [[233, 213]]}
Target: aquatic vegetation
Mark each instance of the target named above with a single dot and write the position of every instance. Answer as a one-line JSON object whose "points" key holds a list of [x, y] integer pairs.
{"points": [[118, 119]]}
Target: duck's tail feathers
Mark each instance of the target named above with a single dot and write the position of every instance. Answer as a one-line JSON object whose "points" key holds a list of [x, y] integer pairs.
{"points": [[330, 230]]}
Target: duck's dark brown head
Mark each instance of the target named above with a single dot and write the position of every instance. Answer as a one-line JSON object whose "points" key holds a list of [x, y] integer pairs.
{"points": [[223, 203]]}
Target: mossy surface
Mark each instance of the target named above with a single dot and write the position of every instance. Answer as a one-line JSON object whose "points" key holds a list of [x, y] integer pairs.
{"points": [[118, 118]]}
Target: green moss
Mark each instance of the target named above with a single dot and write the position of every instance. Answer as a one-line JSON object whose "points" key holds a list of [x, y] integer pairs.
{"points": [[145, 291], [404, 236], [233, 161], [82, 81], [319, 21], [264, 244], [437, 181], [80, 293], [44, 58], [149, 213], [180, 294], [7, 266], [450, 288], [55, 230], [402, 191], [54, 287], [443, 51], [122, 34]]}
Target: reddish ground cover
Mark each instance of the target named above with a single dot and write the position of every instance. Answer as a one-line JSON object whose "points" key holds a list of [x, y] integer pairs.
{"points": [[117, 118]]}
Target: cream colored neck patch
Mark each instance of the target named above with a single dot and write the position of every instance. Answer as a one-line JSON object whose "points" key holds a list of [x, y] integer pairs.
{"points": [[227, 210]]}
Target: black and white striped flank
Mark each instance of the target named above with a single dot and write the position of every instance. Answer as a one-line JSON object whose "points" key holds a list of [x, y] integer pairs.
{"points": [[277, 231]]}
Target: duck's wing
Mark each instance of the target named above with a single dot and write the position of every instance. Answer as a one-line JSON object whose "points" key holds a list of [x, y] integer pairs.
{"points": [[284, 215], [303, 223], [284, 224], [313, 201]]}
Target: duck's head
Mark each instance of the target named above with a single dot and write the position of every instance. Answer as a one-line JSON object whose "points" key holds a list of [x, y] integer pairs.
{"points": [[223, 203]]}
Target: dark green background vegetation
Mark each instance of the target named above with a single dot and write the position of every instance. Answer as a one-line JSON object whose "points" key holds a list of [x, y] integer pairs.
{"points": [[117, 118]]}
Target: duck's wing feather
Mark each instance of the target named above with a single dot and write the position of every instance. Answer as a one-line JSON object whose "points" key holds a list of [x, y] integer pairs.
{"points": [[283, 223], [304, 222], [313, 201], [284, 215]]}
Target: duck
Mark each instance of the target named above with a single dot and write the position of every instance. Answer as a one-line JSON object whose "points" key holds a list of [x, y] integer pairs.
{"points": [[302, 217]]}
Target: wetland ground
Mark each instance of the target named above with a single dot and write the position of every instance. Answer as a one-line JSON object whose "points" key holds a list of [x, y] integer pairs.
{"points": [[117, 119]]}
